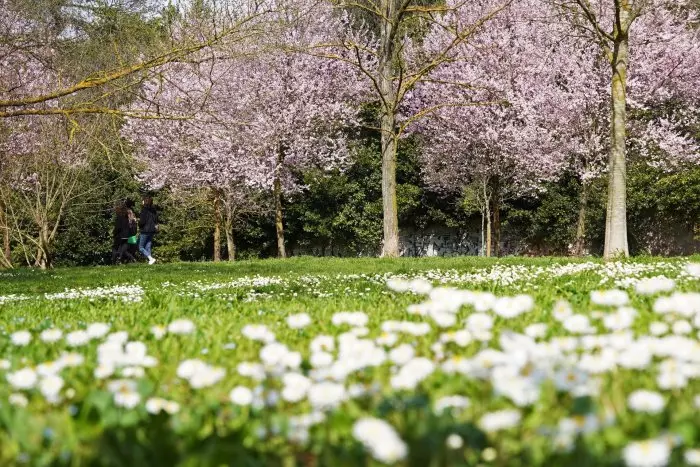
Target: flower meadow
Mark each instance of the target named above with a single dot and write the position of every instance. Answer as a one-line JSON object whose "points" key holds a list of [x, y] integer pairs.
{"points": [[354, 362]]}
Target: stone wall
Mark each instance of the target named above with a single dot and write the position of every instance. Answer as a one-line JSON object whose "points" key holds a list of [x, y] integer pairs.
{"points": [[434, 241], [442, 242], [450, 242]]}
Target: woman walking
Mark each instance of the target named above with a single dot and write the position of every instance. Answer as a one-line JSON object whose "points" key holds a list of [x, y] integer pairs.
{"points": [[148, 224], [122, 231], [133, 223]]}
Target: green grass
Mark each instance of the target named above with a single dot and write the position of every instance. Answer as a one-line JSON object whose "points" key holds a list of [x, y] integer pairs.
{"points": [[89, 429], [37, 281]]}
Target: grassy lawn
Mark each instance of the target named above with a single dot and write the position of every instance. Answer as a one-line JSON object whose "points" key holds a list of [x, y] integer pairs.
{"points": [[440, 361]]}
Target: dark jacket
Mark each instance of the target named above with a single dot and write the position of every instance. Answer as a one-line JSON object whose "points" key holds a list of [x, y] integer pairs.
{"points": [[121, 227], [148, 220]]}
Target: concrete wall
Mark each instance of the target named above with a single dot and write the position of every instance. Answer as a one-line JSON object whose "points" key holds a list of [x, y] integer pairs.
{"points": [[433, 241]]}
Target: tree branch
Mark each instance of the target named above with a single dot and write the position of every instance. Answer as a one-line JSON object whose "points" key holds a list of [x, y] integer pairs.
{"points": [[89, 110], [90, 83], [593, 20], [428, 110], [443, 55]]}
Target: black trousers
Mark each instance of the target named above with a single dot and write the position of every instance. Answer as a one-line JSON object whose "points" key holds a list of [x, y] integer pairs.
{"points": [[121, 250]]}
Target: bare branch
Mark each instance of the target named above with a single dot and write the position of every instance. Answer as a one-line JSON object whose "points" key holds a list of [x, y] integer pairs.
{"points": [[444, 53], [429, 110], [588, 12], [89, 110], [90, 83]]}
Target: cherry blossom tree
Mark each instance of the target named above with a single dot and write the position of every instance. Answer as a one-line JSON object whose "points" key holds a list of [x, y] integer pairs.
{"points": [[303, 105], [256, 113], [660, 138], [557, 90], [507, 149], [196, 148], [586, 122], [383, 48], [653, 53]]}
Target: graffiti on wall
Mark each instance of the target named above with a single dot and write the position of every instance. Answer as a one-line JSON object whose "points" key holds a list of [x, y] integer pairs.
{"points": [[445, 243], [428, 242]]}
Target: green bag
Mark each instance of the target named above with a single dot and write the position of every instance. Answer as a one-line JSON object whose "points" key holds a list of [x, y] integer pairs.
{"points": [[133, 240]]}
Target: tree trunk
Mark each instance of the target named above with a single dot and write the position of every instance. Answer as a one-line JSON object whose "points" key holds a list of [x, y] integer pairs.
{"points": [[496, 230], [580, 240], [43, 257], [39, 261], [279, 225], [391, 217], [217, 226], [616, 219], [482, 250], [487, 207], [390, 247], [6, 260], [496, 210], [230, 245], [6, 251], [230, 241]]}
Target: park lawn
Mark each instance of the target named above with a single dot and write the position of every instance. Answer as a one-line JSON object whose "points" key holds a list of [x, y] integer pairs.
{"points": [[36, 280], [551, 394]]}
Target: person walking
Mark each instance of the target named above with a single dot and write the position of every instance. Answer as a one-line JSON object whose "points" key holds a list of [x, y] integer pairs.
{"points": [[148, 224], [122, 231], [133, 223]]}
